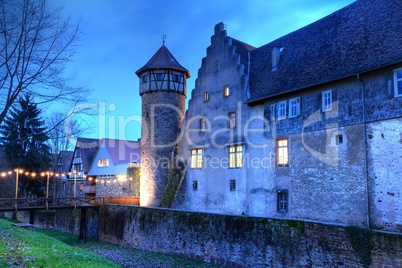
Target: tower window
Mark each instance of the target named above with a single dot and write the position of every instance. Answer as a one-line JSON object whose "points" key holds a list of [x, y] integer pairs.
{"points": [[206, 96], [176, 77], [144, 78], [226, 91], [159, 76]]}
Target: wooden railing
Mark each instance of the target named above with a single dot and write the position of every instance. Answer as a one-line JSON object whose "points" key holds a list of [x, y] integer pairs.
{"points": [[122, 200]]}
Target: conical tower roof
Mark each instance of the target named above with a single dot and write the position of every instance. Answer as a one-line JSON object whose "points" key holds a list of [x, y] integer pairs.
{"points": [[163, 59]]}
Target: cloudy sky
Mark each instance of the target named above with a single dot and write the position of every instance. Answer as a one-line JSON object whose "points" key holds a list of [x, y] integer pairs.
{"points": [[120, 36]]}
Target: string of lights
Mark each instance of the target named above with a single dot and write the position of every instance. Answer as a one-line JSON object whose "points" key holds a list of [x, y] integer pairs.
{"points": [[120, 178]]}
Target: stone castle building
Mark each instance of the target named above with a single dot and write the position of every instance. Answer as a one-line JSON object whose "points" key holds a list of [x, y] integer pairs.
{"points": [[308, 126]]}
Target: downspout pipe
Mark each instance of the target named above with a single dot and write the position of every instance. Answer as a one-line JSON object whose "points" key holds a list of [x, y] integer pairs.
{"points": [[365, 148]]}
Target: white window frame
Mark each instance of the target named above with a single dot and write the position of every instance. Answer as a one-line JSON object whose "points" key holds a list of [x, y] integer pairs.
{"points": [[281, 110], [327, 100], [196, 156], [282, 152], [397, 80], [235, 156], [294, 107]]}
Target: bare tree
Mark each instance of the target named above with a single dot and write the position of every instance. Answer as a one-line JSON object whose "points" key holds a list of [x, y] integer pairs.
{"points": [[35, 45], [61, 127]]}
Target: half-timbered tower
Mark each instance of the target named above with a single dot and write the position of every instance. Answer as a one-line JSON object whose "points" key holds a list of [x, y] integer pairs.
{"points": [[163, 93]]}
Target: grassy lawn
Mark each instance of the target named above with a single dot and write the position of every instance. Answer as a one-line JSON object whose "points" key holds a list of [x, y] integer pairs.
{"points": [[22, 248], [51, 248]]}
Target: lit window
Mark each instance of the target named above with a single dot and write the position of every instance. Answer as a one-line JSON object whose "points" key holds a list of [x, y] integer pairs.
{"points": [[327, 100], [196, 158], [226, 91], [232, 185], [236, 156], [282, 201], [398, 82], [294, 107], [203, 124], [195, 185], [206, 96], [273, 111], [281, 110], [282, 152], [232, 120], [103, 162]]}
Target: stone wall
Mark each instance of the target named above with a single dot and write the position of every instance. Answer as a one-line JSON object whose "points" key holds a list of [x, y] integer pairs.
{"points": [[63, 220], [238, 241]]}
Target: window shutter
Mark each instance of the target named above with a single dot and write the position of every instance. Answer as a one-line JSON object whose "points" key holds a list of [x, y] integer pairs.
{"points": [[389, 87]]}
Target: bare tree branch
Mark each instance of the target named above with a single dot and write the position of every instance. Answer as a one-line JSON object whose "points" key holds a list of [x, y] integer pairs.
{"points": [[36, 43]]}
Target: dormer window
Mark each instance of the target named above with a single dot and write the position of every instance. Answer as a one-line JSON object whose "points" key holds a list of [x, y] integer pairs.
{"points": [[103, 162]]}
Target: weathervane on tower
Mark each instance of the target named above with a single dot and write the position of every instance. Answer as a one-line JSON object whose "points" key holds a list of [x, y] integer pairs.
{"points": [[163, 37]]}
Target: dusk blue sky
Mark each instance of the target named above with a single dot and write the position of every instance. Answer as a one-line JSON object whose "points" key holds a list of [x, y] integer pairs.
{"points": [[119, 37]]}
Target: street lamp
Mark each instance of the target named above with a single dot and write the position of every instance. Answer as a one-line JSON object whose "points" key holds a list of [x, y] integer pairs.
{"points": [[75, 184], [17, 171]]}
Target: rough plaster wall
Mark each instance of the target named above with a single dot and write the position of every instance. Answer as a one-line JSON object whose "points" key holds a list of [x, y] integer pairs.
{"points": [[220, 67], [162, 116], [385, 171]]}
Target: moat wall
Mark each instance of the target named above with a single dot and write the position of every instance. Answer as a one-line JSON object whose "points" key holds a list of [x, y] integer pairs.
{"points": [[240, 241], [64, 220], [233, 241]]}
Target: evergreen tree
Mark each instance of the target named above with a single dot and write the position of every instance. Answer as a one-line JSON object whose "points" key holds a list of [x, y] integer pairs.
{"points": [[23, 139]]}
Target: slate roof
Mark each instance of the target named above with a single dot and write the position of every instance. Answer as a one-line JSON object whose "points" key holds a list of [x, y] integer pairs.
{"points": [[364, 36], [242, 49], [163, 59], [64, 158], [88, 147], [121, 151]]}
